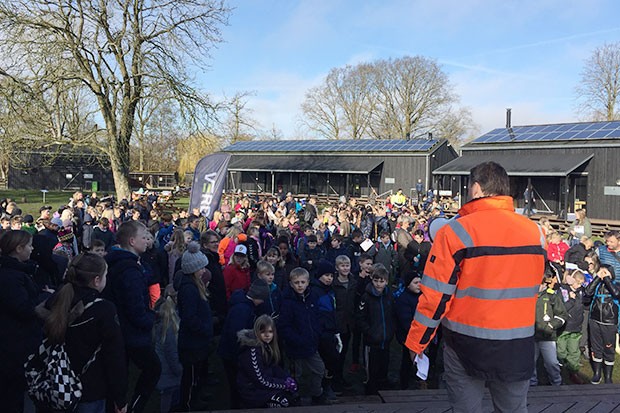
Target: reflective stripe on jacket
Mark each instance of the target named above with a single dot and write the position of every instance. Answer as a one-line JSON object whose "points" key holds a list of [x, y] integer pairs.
{"points": [[481, 282]]}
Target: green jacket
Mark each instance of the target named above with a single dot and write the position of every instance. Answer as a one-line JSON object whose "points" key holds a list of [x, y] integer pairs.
{"points": [[551, 315]]}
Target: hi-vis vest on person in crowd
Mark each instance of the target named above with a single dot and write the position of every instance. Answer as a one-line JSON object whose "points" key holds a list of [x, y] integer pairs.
{"points": [[481, 282]]}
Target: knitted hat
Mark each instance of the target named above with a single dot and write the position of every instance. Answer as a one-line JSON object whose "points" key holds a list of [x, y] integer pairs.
{"points": [[259, 290], [409, 276], [325, 267], [65, 234], [57, 221], [28, 219], [193, 259]]}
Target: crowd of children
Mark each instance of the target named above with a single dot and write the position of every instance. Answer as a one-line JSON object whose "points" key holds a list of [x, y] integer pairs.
{"points": [[273, 288]]}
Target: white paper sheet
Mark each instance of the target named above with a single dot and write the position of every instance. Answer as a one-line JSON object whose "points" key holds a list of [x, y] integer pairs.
{"points": [[423, 363], [366, 245]]}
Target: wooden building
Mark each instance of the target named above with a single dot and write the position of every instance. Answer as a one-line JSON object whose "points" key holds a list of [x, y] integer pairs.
{"points": [[60, 168], [570, 166], [358, 168]]}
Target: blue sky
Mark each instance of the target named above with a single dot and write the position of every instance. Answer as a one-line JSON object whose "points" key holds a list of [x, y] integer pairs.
{"points": [[526, 55]]}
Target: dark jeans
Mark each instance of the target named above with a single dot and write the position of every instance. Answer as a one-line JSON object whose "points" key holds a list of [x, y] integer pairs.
{"points": [[149, 365], [346, 339], [329, 354], [377, 363], [355, 350], [406, 365]]}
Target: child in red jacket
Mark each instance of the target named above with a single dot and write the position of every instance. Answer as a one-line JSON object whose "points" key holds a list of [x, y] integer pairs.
{"points": [[237, 272]]}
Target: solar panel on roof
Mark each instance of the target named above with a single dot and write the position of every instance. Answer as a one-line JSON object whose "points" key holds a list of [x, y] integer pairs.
{"points": [[334, 145], [556, 132]]}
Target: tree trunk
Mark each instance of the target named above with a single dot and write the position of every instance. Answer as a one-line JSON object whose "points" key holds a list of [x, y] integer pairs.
{"points": [[119, 162]]}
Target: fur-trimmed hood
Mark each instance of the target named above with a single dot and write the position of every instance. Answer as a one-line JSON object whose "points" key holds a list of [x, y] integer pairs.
{"points": [[247, 338]]}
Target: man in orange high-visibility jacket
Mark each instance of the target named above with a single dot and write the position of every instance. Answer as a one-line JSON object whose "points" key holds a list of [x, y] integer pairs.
{"points": [[480, 282]]}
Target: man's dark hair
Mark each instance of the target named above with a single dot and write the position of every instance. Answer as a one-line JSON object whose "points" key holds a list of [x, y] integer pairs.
{"points": [[613, 233], [492, 178]]}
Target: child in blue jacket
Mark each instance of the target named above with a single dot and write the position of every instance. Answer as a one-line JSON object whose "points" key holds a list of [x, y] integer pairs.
{"points": [[404, 308], [301, 331]]}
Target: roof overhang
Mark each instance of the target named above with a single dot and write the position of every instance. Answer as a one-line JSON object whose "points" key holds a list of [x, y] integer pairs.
{"points": [[530, 165], [300, 163]]}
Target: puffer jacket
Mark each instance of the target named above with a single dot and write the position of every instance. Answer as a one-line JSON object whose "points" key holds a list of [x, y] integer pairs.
{"points": [[196, 319], [603, 309], [127, 288], [327, 307], [299, 324]]}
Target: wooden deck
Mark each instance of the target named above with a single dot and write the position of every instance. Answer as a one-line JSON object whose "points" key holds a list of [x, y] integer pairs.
{"points": [[603, 398]]}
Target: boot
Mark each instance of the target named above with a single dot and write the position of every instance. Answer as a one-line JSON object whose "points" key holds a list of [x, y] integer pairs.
{"points": [[596, 368], [607, 372], [327, 389]]}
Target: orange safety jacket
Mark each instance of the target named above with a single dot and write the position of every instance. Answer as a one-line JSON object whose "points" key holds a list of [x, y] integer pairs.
{"points": [[480, 282]]}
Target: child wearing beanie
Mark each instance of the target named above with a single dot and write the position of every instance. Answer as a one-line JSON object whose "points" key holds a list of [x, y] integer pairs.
{"points": [[196, 322]]}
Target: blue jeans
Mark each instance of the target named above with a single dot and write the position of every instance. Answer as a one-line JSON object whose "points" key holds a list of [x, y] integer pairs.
{"points": [[98, 406], [550, 358]]}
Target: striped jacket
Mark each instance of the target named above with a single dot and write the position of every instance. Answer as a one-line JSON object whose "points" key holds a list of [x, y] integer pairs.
{"points": [[480, 282]]}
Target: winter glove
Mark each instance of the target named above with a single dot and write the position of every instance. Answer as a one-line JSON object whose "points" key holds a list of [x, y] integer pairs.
{"points": [[338, 343], [291, 384]]}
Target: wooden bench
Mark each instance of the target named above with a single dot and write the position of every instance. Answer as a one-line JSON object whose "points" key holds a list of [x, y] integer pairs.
{"points": [[603, 398]]}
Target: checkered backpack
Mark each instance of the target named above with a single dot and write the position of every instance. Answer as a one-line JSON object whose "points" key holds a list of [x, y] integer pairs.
{"points": [[50, 380]]}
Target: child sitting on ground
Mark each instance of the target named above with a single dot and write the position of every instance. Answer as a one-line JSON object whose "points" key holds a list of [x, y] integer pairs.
{"points": [[260, 380]]}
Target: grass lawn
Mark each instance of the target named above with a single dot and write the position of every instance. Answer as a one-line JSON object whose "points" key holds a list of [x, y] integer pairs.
{"points": [[31, 200]]}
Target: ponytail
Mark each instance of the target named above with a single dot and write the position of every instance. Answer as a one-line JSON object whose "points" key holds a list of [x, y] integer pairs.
{"points": [[57, 322], [81, 272]]}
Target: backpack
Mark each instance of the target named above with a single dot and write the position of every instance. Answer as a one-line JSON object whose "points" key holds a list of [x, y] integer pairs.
{"points": [[603, 297], [50, 380]]}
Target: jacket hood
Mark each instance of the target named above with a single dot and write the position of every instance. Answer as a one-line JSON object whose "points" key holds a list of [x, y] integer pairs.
{"points": [[247, 338], [238, 296]]}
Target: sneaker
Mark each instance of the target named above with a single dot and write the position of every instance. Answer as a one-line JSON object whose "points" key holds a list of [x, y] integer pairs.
{"points": [[354, 368]]}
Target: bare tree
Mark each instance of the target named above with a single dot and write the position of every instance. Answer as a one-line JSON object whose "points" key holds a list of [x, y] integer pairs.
{"points": [[157, 133], [599, 89], [412, 93], [237, 122], [385, 99], [116, 49], [321, 111], [456, 126]]}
